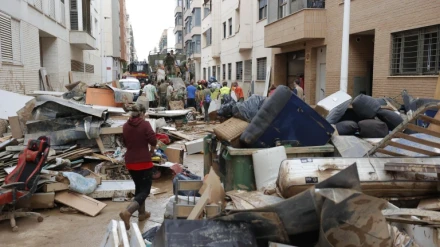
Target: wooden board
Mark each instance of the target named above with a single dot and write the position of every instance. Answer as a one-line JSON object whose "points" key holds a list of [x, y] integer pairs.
{"points": [[103, 157], [437, 89], [80, 202], [327, 148], [198, 209], [39, 201], [429, 204], [412, 167], [182, 135], [14, 123], [213, 182], [53, 187], [111, 130], [412, 212], [100, 145], [183, 211]]}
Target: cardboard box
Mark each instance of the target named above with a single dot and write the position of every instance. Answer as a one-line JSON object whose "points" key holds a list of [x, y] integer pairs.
{"points": [[175, 154], [38, 201], [102, 97]]}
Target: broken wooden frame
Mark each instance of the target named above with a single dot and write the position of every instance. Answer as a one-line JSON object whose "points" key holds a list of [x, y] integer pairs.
{"points": [[409, 124]]}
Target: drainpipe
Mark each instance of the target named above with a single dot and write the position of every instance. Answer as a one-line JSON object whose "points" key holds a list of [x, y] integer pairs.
{"points": [[345, 46]]}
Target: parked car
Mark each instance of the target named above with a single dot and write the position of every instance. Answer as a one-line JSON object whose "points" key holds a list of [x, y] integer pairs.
{"points": [[131, 85]]}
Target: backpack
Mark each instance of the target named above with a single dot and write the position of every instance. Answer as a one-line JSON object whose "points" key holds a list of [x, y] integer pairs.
{"points": [[208, 98]]}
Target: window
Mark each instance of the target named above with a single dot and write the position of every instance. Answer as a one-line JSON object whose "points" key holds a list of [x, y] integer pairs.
{"points": [[230, 26], [179, 37], [261, 69], [224, 30], [262, 9], [188, 47], [188, 24], [239, 71], [207, 9], [63, 13], [204, 73], [224, 72], [208, 37], [213, 72], [10, 40], [229, 71], [416, 52], [197, 45], [178, 19], [282, 8], [197, 18], [209, 73], [52, 9], [179, 3]]}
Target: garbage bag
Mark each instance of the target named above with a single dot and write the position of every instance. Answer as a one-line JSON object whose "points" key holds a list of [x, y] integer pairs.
{"points": [[365, 106], [248, 109], [80, 184], [391, 118], [347, 128], [185, 175], [226, 108], [372, 128]]}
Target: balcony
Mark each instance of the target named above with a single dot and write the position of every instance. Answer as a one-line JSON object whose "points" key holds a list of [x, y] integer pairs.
{"points": [[178, 46], [188, 37], [178, 28], [177, 10], [196, 30], [306, 24], [82, 40]]}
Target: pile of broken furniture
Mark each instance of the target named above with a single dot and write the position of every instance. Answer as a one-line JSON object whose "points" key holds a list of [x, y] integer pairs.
{"points": [[374, 186]]}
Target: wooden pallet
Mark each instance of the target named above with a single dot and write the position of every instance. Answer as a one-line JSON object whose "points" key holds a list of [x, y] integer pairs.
{"points": [[433, 130]]}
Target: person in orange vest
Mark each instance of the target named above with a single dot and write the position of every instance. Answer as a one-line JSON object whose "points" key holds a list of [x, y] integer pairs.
{"points": [[238, 91]]}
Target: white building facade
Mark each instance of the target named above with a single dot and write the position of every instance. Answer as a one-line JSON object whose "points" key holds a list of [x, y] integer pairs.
{"points": [[233, 43], [58, 35]]}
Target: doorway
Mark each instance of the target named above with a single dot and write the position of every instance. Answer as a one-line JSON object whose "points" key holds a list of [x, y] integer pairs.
{"points": [[321, 73], [295, 68]]}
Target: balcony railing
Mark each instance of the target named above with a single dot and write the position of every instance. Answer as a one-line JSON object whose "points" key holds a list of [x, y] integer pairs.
{"points": [[298, 5]]}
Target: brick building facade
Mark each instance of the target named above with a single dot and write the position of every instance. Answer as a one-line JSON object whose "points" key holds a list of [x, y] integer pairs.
{"points": [[393, 46]]}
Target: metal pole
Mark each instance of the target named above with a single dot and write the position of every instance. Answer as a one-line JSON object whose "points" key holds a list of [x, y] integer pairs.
{"points": [[345, 46]]}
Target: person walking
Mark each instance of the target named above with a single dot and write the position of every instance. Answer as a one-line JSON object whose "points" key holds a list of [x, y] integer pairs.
{"points": [[206, 93], [225, 90], [298, 89], [140, 141], [163, 93], [191, 96], [238, 92], [150, 93], [170, 91]]}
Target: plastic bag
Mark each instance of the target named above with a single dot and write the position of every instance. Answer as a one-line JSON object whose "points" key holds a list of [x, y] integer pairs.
{"points": [[226, 108], [80, 184], [248, 109]]}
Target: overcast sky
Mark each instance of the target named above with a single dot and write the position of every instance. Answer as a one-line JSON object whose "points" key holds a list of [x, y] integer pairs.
{"points": [[149, 18]]}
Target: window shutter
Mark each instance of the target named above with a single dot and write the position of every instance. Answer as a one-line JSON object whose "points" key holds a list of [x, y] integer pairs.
{"points": [[38, 4], [52, 9], [16, 41], [73, 15], [261, 69], [248, 70], [6, 38], [63, 13]]}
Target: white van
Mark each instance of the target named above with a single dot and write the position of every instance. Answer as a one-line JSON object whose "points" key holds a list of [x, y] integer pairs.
{"points": [[131, 85]]}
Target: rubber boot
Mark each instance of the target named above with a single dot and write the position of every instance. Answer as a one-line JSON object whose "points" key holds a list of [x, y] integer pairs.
{"points": [[126, 214], [143, 215]]}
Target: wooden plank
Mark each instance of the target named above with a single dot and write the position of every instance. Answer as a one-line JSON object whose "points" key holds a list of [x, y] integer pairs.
{"points": [[80, 202], [435, 216], [14, 123], [103, 157], [418, 140], [136, 239], [411, 167], [435, 125], [183, 211], [186, 185], [412, 149], [430, 120], [411, 221], [423, 130], [198, 209], [53, 187], [181, 135], [383, 151], [123, 238], [70, 74], [15, 148], [100, 145], [429, 204], [111, 130]]}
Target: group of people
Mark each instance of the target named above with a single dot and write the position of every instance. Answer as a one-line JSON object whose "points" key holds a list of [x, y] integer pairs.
{"points": [[297, 89]]}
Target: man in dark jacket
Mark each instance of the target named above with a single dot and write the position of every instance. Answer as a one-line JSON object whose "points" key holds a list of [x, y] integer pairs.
{"points": [[140, 141]]}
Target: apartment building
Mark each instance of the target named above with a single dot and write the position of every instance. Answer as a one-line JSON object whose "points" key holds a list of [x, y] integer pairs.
{"points": [[233, 43], [178, 26], [191, 33], [394, 45], [59, 35]]}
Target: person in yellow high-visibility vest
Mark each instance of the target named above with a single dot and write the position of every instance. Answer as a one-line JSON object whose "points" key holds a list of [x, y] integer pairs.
{"points": [[224, 91]]}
